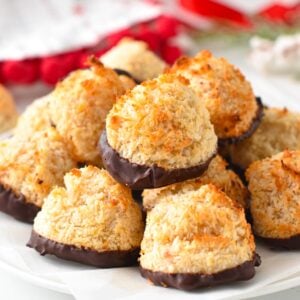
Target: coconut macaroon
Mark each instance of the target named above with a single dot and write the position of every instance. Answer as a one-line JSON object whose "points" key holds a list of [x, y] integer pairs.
{"points": [[158, 134], [279, 130], [197, 239], [29, 168], [135, 58], [217, 173], [93, 220], [78, 107], [274, 184], [228, 96], [35, 118], [126, 78], [127, 82], [8, 111]]}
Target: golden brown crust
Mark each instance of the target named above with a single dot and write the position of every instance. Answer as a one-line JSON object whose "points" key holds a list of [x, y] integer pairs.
{"points": [[228, 96], [32, 166], [79, 105], [36, 117], [8, 110], [274, 184], [93, 211], [127, 82], [136, 58], [217, 173], [156, 122], [279, 130], [200, 231]]}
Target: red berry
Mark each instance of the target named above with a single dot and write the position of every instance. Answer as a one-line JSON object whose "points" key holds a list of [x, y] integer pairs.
{"points": [[52, 70], [83, 59], [21, 72], [55, 68], [166, 26], [72, 59], [1, 75], [170, 53]]}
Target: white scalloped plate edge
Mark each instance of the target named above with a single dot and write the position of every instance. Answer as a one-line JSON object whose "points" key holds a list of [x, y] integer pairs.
{"points": [[57, 286]]}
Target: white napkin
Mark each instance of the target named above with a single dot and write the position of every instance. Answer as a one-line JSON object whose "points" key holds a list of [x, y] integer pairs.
{"points": [[34, 28]]}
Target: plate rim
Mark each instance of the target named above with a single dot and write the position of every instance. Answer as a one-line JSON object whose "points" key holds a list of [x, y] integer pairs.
{"points": [[60, 287], [34, 279]]}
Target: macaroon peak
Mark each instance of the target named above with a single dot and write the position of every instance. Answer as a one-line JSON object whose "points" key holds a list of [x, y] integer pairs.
{"points": [[160, 123]]}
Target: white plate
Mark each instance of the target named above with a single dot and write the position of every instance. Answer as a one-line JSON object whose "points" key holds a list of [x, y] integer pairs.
{"points": [[44, 282], [57, 286], [25, 263], [279, 270]]}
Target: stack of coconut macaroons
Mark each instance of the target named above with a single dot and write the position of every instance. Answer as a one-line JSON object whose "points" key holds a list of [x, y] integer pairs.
{"points": [[54, 135], [78, 155]]}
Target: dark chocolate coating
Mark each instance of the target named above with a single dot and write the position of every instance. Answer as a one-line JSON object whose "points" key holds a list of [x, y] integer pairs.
{"points": [[16, 206], [125, 73], [138, 198], [255, 123], [139, 177], [191, 281], [137, 195], [106, 259], [291, 243]]}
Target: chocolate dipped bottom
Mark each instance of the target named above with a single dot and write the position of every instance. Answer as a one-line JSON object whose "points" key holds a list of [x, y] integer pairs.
{"points": [[16, 205], [125, 73], [137, 195], [255, 123], [291, 243], [105, 259], [138, 177], [191, 281]]}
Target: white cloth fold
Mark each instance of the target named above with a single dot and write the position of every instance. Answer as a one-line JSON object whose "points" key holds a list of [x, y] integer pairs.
{"points": [[34, 28]]}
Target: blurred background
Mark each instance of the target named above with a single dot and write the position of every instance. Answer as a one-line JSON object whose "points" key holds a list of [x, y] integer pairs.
{"points": [[41, 41]]}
